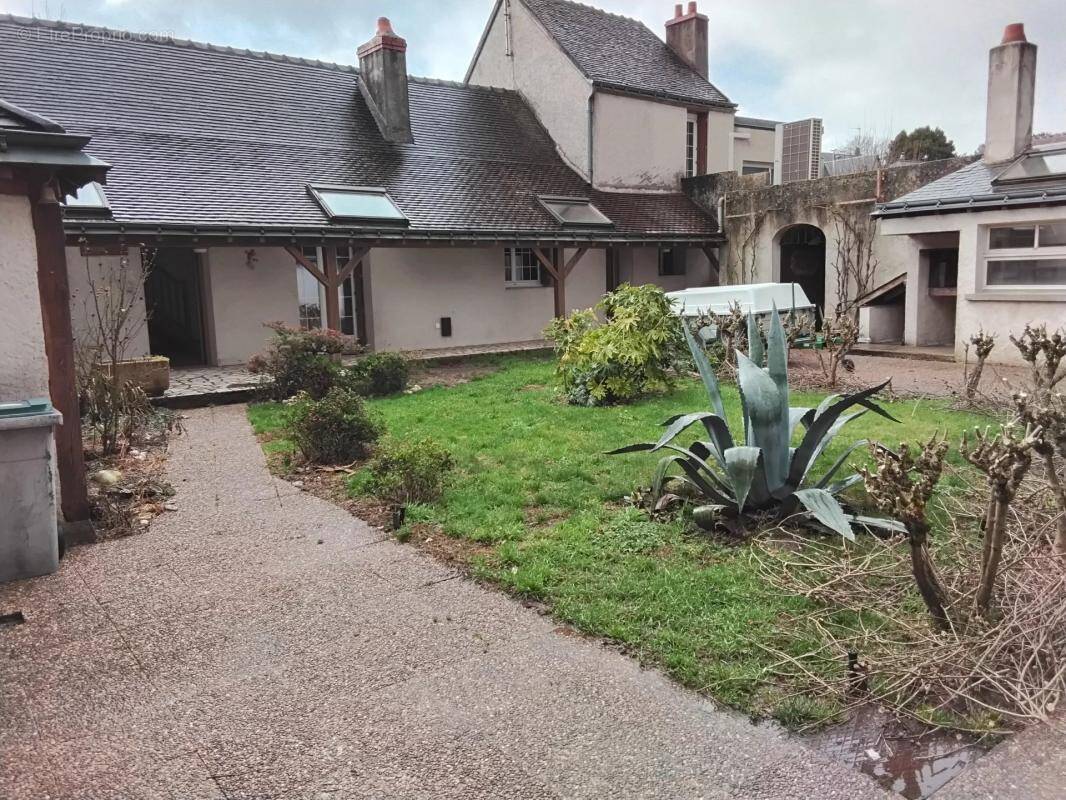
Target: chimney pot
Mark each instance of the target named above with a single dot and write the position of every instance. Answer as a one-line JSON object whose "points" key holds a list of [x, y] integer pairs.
{"points": [[1015, 32], [686, 35], [692, 7], [677, 11], [385, 27]]}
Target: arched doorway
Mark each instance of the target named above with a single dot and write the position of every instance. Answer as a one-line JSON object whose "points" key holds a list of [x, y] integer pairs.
{"points": [[803, 261]]}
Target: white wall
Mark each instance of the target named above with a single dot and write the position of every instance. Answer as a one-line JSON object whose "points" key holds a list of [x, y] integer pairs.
{"points": [[106, 272], [752, 144], [637, 144], [412, 288], [23, 364], [640, 265], [545, 76], [243, 298], [998, 312], [720, 144]]}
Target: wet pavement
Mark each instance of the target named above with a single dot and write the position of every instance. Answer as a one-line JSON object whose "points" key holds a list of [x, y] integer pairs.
{"points": [[262, 643]]}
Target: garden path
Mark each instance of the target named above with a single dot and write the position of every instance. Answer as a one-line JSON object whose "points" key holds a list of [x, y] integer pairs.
{"points": [[260, 642]]}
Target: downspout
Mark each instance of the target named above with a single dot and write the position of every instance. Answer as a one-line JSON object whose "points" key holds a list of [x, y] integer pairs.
{"points": [[592, 130]]}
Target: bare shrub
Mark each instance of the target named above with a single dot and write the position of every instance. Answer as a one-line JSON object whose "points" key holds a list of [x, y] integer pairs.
{"points": [[841, 333], [982, 344]]}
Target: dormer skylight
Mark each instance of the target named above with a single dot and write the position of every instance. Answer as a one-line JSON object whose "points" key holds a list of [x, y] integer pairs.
{"points": [[574, 211], [357, 204], [1038, 165], [89, 199]]}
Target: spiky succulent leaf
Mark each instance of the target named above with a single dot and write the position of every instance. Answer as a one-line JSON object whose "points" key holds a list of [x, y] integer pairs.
{"points": [[825, 508], [823, 482], [879, 522], [769, 428], [755, 348], [741, 466], [796, 415], [706, 516], [706, 371]]}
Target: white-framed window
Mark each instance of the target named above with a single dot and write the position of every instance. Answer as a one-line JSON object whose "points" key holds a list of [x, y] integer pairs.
{"points": [[690, 146], [1026, 255], [520, 267]]}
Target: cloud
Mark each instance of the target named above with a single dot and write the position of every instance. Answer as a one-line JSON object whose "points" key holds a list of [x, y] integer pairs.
{"points": [[878, 66]]}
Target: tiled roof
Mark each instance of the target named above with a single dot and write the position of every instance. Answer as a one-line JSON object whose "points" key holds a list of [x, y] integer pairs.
{"points": [[201, 135], [622, 53], [968, 189]]}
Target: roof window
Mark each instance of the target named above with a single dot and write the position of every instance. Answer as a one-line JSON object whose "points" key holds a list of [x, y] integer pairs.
{"points": [[1035, 166], [574, 211], [358, 203], [88, 199]]}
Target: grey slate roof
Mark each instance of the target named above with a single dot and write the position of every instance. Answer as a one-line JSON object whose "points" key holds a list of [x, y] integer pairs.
{"points": [[968, 189], [200, 135], [620, 53]]}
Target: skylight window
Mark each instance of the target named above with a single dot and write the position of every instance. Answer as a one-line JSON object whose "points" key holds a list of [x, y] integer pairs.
{"points": [[88, 198], [1037, 166], [358, 203], [574, 211]]}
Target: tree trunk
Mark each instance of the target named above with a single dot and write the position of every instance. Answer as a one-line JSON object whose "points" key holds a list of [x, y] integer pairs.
{"points": [[975, 379], [1060, 501], [994, 550], [928, 583]]}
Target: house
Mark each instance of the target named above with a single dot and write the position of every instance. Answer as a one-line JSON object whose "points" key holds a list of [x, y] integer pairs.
{"points": [[40, 163], [988, 241], [408, 212]]}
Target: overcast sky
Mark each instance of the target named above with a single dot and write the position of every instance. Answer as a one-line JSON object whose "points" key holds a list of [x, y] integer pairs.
{"points": [[875, 65]]}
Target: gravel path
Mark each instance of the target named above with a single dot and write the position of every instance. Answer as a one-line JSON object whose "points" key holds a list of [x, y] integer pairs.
{"points": [[262, 643]]}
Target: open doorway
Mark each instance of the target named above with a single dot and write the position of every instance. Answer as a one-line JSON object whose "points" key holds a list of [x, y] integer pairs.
{"points": [[173, 297], [803, 261]]}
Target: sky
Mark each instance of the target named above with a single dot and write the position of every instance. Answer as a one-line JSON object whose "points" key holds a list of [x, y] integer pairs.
{"points": [[875, 66]]}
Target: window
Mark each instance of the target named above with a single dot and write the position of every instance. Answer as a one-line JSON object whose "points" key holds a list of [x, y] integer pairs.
{"points": [[671, 261], [690, 147], [756, 168], [574, 211], [1026, 255], [521, 267], [309, 292], [358, 203], [1038, 166], [89, 198]]}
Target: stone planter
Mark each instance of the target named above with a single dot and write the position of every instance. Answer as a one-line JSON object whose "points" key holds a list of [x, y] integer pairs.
{"points": [[152, 374]]}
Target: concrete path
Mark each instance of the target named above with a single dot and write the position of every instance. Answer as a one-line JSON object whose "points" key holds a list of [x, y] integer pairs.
{"points": [[261, 643]]}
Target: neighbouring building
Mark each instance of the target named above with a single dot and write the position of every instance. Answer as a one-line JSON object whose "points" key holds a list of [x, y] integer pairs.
{"points": [[988, 242]]}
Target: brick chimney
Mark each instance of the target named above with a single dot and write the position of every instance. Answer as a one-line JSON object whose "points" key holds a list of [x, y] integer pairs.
{"points": [[1011, 87], [686, 34], [383, 82]]}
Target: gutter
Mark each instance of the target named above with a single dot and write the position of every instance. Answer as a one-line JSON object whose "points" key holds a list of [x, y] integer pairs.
{"points": [[980, 202]]}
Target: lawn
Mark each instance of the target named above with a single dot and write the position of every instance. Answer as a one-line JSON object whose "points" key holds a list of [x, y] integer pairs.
{"points": [[535, 490]]}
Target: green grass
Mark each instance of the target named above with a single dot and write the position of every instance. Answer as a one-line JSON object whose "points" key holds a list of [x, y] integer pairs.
{"points": [[535, 487]]}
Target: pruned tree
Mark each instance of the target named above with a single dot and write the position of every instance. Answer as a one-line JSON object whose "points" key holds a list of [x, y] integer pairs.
{"points": [[982, 344], [854, 261], [840, 333]]}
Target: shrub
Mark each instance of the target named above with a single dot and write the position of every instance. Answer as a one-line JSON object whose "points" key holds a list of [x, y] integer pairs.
{"points": [[337, 429], [378, 374], [626, 356], [408, 472], [299, 361]]}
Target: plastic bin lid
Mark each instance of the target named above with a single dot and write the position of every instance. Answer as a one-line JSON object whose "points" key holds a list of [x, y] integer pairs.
{"points": [[26, 408]]}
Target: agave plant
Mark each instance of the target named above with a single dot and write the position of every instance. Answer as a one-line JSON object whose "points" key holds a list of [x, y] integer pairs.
{"points": [[763, 473]]}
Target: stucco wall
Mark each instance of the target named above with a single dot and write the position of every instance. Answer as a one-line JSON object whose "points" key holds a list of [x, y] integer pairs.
{"points": [[1002, 312], [23, 364], [637, 144], [412, 288], [242, 299], [752, 144], [545, 76], [640, 265], [720, 144], [106, 272]]}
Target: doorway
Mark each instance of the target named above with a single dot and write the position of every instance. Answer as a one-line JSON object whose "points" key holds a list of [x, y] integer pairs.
{"points": [[173, 298], [803, 261]]}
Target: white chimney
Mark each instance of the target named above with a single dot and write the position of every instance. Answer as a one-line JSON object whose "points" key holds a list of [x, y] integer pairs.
{"points": [[1011, 87]]}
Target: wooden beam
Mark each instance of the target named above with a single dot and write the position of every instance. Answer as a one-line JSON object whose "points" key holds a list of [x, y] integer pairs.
{"points": [[712, 257], [307, 264], [568, 268], [333, 303], [358, 254], [546, 263], [54, 288]]}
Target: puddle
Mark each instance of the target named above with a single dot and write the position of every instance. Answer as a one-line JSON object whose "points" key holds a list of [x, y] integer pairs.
{"points": [[898, 756]]}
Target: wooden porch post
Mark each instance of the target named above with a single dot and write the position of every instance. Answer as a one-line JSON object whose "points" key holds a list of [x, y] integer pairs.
{"points": [[54, 288], [712, 257], [559, 274], [333, 307], [332, 279]]}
